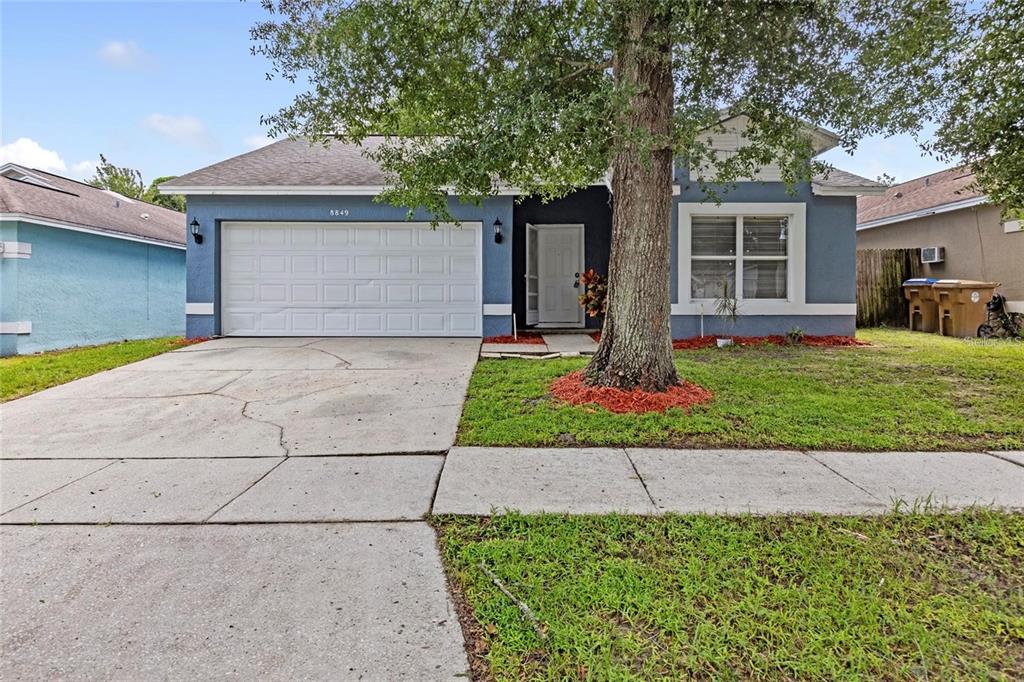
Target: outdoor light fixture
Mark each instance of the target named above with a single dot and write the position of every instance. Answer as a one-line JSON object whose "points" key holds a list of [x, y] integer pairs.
{"points": [[497, 231], [196, 236]]}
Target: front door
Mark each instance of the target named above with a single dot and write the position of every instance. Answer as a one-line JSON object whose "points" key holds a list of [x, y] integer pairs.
{"points": [[559, 264]]}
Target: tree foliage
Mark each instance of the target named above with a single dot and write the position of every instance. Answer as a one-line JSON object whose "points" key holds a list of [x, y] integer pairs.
{"points": [[128, 182], [523, 90], [175, 202], [121, 179], [984, 123]]}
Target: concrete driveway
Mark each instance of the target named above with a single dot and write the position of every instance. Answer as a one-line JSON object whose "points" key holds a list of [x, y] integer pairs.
{"points": [[255, 397], [246, 461]]}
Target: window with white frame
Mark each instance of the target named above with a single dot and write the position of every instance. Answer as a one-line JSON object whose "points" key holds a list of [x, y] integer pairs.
{"points": [[739, 256]]}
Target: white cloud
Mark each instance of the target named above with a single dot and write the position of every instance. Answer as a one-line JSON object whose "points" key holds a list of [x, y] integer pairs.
{"points": [[187, 130], [122, 54], [84, 169], [256, 141], [27, 152]]}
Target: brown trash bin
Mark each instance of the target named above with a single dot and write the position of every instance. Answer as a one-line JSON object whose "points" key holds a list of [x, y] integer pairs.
{"points": [[961, 305], [923, 308]]}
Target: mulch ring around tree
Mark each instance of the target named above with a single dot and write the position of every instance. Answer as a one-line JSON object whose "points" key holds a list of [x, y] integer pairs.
{"points": [[571, 389], [531, 338]]}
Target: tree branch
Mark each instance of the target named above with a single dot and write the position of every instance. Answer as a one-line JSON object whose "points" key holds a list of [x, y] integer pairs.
{"points": [[523, 608]]}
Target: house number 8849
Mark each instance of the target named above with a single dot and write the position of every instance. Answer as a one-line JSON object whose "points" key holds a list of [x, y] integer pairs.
{"points": [[339, 212]]}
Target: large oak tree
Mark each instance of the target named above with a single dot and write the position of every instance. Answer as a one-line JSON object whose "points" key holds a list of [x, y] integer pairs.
{"points": [[551, 96]]}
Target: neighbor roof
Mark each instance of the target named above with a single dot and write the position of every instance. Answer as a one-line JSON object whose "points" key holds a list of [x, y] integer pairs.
{"points": [[950, 189], [29, 194], [295, 166]]}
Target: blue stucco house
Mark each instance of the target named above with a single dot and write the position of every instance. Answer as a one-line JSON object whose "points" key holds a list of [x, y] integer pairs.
{"points": [[81, 265], [291, 242]]}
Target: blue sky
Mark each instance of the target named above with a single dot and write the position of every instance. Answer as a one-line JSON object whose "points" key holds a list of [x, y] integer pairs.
{"points": [[168, 87]]}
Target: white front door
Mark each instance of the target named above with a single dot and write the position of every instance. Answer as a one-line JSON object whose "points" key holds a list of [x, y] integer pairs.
{"points": [[559, 264], [350, 279]]}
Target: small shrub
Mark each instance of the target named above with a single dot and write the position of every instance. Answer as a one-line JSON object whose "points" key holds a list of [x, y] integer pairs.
{"points": [[795, 336], [594, 298]]}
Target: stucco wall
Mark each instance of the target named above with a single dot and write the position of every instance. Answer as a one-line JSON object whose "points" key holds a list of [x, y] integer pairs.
{"points": [[830, 246], [831, 234], [211, 211], [79, 289], [976, 246]]}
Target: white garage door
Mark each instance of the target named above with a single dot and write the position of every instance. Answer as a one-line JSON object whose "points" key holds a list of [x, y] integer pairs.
{"points": [[350, 279]]}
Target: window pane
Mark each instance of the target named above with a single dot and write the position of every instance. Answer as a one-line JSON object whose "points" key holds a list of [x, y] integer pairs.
{"points": [[713, 236], [764, 279], [712, 278], [765, 236]]}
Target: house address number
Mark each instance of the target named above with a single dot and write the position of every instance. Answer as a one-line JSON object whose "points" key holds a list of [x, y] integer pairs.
{"points": [[339, 212]]}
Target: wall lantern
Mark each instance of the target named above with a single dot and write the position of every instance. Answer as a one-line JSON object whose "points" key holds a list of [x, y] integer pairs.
{"points": [[196, 236], [497, 231]]}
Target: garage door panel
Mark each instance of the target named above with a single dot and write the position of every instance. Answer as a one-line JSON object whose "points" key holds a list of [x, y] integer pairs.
{"points": [[349, 279]]}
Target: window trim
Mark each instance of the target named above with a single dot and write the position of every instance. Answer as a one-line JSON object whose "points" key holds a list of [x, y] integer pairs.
{"points": [[796, 256]]}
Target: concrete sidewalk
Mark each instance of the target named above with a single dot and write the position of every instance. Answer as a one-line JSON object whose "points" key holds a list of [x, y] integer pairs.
{"points": [[479, 481]]}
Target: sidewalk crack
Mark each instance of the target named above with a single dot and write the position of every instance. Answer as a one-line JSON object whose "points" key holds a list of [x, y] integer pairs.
{"points": [[636, 471], [851, 482]]}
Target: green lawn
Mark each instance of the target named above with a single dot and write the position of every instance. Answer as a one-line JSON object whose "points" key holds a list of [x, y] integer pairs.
{"points": [[905, 391], [899, 597], [25, 374]]}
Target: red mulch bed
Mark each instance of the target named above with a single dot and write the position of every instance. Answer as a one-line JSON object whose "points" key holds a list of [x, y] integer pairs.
{"points": [[525, 337], [774, 340], [188, 342], [572, 390], [698, 342]]}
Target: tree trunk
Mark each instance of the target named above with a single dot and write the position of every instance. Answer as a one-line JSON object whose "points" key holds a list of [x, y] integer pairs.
{"points": [[636, 343]]}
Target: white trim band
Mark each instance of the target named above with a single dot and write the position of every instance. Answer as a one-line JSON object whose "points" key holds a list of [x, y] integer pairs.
{"points": [[16, 327], [199, 308], [45, 222], [924, 212], [753, 308], [15, 250], [497, 308]]}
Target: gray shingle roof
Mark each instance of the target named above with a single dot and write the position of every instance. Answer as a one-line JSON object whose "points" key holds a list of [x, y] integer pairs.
{"points": [[297, 163], [79, 204], [291, 163], [841, 178]]}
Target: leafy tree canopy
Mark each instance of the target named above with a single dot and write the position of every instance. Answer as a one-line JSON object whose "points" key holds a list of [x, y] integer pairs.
{"points": [[525, 90], [175, 202], [984, 124], [128, 182], [121, 179]]}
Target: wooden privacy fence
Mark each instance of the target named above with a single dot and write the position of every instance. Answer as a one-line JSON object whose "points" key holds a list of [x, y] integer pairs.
{"points": [[880, 275]]}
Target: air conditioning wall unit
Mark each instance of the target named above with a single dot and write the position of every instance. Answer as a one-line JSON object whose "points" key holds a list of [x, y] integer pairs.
{"points": [[933, 254]]}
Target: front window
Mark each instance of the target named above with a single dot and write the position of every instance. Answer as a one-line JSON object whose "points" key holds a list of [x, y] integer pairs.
{"points": [[743, 257]]}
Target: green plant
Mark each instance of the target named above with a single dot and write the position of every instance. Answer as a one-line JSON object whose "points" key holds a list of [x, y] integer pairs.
{"points": [[594, 298], [795, 335], [727, 305]]}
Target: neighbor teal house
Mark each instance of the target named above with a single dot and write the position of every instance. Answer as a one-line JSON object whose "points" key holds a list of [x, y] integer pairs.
{"points": [[288, 240], [81, 265]]}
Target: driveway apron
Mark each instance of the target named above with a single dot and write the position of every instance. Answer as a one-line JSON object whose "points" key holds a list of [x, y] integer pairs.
{"points": [[244, 507]]}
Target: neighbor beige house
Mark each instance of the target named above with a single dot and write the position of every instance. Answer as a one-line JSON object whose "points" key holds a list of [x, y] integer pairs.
{"points": [[945, 211]]}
